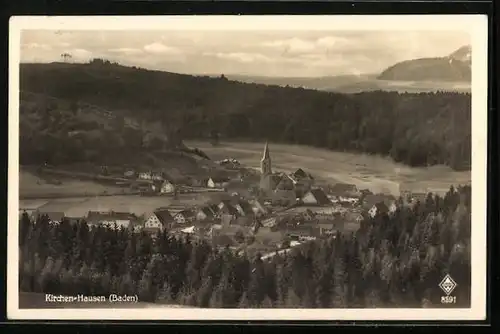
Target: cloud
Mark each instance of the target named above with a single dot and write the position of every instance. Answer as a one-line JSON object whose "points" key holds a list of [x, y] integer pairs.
{"points": [[80, 54], [126, 51], [161, 48], [37, 46], [240, 57], [291, 45]]}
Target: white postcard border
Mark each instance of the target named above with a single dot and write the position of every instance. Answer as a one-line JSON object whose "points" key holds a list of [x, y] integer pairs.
{"points": [[475, 25]]}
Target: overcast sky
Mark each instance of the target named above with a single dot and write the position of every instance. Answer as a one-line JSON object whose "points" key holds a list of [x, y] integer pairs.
{"points": [[284, 53]]}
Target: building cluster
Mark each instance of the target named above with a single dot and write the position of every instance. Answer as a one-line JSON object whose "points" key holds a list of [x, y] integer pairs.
{"points": [[287, 208]]}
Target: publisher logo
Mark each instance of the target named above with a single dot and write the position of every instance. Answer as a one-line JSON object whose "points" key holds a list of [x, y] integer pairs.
{"points": [[448, 285]]}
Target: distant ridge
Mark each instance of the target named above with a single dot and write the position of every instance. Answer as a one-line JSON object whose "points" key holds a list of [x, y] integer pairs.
{"points": [[456, 67]]}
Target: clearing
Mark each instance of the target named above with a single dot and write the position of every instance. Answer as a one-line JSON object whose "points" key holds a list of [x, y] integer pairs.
{"points": [[379, 174]]}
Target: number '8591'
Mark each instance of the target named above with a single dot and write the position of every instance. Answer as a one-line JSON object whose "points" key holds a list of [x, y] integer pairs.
{"points": [[448, 300]]}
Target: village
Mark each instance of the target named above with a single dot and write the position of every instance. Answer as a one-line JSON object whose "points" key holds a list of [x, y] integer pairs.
{"points": [[253, 211]]}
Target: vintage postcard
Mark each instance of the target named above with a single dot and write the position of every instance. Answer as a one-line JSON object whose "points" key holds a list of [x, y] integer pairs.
{"points": [[247, 168]]}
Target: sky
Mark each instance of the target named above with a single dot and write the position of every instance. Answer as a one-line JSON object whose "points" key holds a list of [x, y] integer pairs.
{"points": [[256, 53]]}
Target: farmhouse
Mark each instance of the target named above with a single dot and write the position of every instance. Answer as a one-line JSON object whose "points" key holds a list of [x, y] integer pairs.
{"points": [[167, 187], [110, 219], [205, 213], [184, 216], [257, 207], [129, 174], [159, 220], [225, 207], [343, 190], [378, 209], [53, 217], [315, 197], [217, 182], [243, 207]]}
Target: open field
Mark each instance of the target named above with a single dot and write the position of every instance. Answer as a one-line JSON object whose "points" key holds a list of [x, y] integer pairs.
{"points": [[379, 174], [33, 186], [78, 207], [32, 300]]}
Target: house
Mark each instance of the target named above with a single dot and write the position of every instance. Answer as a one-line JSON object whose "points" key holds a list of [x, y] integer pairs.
{"points": [[217, 182], [344, 190], [257, 207], [205, 213], [54, 217], [353, 217], [225, 207], [159, 220], [167, 187], [129, 174], [183, 217], [145, 176], [301, 175], [269, 182], [299, 233], [157, 176], [269, 222], [315, 197], [74, 220], [377, 209], [243, 207], [110, 219]]}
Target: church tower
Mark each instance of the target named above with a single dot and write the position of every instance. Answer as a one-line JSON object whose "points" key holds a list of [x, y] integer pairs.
{"points": [[265, 162]]}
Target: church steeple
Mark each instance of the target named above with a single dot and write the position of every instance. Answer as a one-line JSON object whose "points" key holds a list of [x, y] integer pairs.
{"points": [[265, 162]]}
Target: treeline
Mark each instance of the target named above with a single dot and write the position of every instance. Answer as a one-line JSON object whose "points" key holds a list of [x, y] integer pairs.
{"points": [[58, 131], [395, 261], [416, 129]]}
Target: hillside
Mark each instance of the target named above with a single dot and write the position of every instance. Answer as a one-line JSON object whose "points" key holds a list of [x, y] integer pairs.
{"points": [[417, 129], [351, 84], [455, 67]]}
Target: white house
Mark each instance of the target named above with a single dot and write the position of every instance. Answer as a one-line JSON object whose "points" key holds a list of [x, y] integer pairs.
{"points": [[158, 220], [145, 176], [217, 182], [378, 208], [110, 219], [315, 197], [183, 217], [167, 187]]}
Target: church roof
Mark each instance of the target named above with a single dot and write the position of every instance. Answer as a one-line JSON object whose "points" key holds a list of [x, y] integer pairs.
{"points": [[266, 154]]}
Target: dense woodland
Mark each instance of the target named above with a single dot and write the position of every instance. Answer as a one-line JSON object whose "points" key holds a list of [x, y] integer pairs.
{"points": [[389, 262], [416, 129]]}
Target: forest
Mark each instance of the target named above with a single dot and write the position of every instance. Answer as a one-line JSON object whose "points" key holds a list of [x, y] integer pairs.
{"points": [[391, 261], [416, 129]]}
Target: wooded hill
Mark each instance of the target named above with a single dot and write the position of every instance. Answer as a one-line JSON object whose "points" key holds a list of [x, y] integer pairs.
{"points": [[416, 129]]}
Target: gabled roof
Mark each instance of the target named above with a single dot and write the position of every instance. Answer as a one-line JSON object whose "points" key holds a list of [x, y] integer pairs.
{"points": [[97, 216], [285, 184], [219, 178], [343, 187], [299, 173], [247, 208], [228, 207], [164, 216], [319, 195], [371, 199], [185, 213], [53, 216], [208, 211]]}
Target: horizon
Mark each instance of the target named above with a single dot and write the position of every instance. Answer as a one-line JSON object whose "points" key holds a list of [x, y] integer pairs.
{"points": [[271, 54]]}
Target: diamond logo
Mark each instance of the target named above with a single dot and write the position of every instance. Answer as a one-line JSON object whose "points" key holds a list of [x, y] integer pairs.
{"points": [[448, 285]]}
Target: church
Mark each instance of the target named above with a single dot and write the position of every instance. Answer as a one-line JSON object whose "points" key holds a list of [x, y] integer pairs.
{"points": [[278, 184]]}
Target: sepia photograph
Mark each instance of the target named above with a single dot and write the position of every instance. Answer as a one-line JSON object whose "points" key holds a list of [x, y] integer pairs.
{"points": [[248, 167]]}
